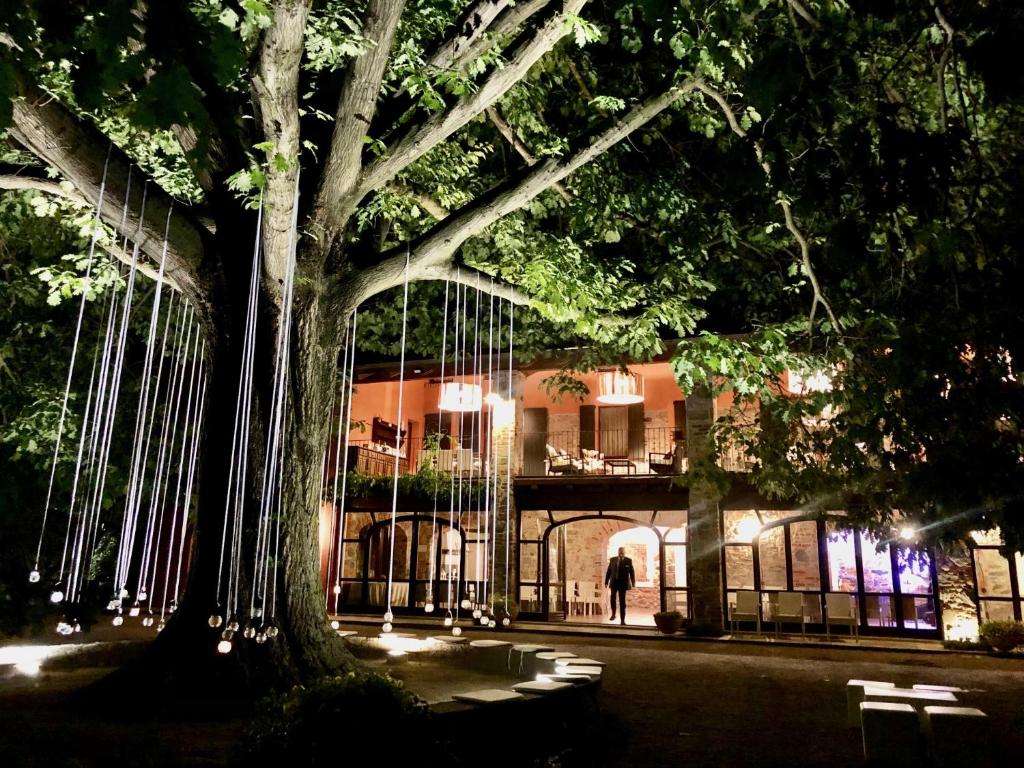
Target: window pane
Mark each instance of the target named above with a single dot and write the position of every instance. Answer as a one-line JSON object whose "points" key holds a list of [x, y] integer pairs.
{"points": [[675, 565], [772, 555], [739, 567], [842, 561], [534, 523], [672, 524], [677, 600], [1019, 559], [352, 560], [993, 572], [741, 525], [877, 565], [528, 563], [915, 571], [996, 610], [803, 542]]}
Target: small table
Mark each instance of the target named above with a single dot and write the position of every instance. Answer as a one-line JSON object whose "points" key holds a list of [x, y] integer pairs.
{"points": [[614, 464]]}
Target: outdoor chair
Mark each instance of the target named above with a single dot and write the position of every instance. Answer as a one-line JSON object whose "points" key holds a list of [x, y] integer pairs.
{"points": [[747, 608], [561, 463], [662, 463], [790, 610], [591, 461], [841, 610]]}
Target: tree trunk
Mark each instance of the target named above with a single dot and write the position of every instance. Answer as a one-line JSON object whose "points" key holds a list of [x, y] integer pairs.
{"points": [[183, 660]]}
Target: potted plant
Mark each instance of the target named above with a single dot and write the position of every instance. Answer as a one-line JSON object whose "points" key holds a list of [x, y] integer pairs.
{"points": [[1002, 636], [668, 622]]}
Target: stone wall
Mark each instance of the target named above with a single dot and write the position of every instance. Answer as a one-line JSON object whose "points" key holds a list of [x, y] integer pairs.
{"points": [[956, 595]]}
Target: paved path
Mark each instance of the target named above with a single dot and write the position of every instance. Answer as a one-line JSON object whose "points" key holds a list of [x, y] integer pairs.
{"points": [[687, 704]]}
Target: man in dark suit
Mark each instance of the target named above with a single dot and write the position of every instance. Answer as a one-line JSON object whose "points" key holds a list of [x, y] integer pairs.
{"points": [[620, 578]]}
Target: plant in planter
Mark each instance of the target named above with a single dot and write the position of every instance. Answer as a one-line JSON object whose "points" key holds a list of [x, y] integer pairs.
{"points": [[500, 614], [1002, 636], [668, 622]]}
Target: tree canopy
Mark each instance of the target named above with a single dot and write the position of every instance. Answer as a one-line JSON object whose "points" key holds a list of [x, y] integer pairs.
{"points": [[802, 184]]}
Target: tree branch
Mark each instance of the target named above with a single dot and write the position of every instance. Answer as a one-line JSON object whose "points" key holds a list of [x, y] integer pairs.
{"points": [[472, 24], [437, 246], [787, 210], [803, 13], [510, 136], [508, 21], [275, 87], [356, 106], [51, 133], [440, 126]]}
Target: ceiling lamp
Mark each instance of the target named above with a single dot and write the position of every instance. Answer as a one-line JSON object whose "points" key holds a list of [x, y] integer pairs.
{"points": [[460, 397], [620, 387]]}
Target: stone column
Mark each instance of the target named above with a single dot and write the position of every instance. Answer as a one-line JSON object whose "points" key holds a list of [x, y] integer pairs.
{"points": [[704, 529], [506, 434]]}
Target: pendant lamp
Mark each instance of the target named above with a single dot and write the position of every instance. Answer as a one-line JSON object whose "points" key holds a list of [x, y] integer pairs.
{"points": [[620, 387]]}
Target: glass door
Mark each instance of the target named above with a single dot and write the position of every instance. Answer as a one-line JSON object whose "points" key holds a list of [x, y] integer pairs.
{"points": [[554, 571]]}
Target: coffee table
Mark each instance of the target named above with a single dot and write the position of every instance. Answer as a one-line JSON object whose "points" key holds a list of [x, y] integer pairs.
{"points": [[614, 464]]}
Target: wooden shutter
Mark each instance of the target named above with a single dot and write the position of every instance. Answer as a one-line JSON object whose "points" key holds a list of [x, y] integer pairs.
{"points": [[535, 438], [637, 438], [588, 427]]}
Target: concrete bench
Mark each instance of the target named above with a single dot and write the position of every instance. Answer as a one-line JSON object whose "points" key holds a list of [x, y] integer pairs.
{"points": [[956, 736], [946, 688], [489, 655], [540, 686], [543, 662], [520, 659], [487, 696], [916, 699], [855, 695], [890, 733], [578, 661]]}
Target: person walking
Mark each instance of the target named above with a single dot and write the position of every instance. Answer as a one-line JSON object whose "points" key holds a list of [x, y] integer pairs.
{"points": [[620, 578]]}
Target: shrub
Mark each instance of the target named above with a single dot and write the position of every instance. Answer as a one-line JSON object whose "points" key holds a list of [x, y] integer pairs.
{"points": [[1003, 636], [965, 645], [313, 725]]}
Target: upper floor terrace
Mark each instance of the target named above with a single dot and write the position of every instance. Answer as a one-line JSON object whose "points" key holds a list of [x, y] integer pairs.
{"points": [[612, 424]]}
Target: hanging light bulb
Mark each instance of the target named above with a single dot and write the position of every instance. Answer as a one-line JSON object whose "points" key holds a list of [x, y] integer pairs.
{"points": [[215, 620], [118, 620], [336, 589], [620, 387], [77, 627], [57, 595], [492, 624], [506, 621], [33, 577], [123, 593], [389, 616], [173, 606], [460, 397], [134, 610], [386, 627], [335, 624], [224, 646], [143, 595], [227, 634], [114, 604], [257, 612], [62, 628], [477, 613], [261, 638], [271, 631], [249, 633], [456, 631], [428, 608], [465, 604], [147, 621], [233, 625], [160, 626], [447, 621]]}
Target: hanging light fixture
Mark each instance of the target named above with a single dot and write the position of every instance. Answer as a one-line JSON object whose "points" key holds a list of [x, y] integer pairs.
{"points": [[620, 387], [460, 397]]}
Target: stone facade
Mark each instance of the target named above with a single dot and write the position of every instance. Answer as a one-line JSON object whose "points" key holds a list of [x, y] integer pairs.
{"points": [[956, 595]]}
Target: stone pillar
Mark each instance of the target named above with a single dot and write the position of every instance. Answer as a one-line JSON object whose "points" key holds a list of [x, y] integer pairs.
{"points": [[704, 528], [506, 433], [959, 612]]}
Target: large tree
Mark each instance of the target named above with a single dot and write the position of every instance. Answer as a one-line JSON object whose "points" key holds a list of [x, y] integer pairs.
{"points": [[487, 137]]}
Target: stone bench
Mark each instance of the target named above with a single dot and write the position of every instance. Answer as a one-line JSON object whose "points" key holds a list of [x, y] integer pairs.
{"points": [[918, 700], [855, 695], [543, 662], [520, 659], [956, 736], [489, 655], [891, 734]]}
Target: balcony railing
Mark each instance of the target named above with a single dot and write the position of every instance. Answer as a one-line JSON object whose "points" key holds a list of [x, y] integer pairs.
{"points": [[651, 451]]}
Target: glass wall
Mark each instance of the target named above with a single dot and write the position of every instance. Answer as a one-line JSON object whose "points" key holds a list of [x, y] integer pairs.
{"points": [[893, 585], [1000, 583], [563, 555]]}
